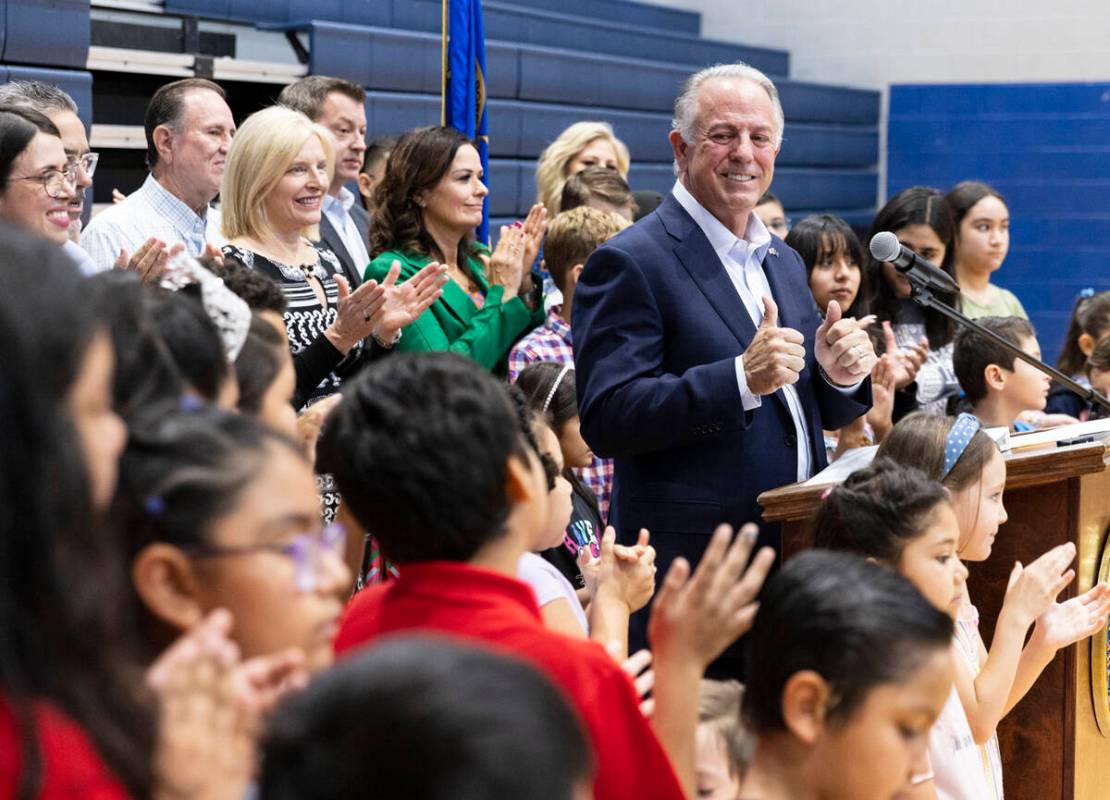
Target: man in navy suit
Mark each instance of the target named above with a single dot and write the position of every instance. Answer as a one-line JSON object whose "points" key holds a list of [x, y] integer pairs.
{"points": [[703, 365]]}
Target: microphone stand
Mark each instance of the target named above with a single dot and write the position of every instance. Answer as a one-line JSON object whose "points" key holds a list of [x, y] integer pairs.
{"points": [[923, 296]]}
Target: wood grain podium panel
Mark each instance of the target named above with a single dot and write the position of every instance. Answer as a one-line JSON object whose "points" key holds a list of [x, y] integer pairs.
{"points": [[1051, 746]]}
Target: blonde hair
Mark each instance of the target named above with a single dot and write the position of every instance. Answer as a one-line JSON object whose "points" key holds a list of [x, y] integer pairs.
{"points": [[263, 148], [719, 709], [573, 235], [552, 166]]}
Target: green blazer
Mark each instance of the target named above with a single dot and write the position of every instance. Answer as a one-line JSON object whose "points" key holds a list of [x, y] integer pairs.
{"points": [[453, 322]]}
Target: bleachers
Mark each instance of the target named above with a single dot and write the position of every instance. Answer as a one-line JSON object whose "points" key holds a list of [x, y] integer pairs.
{"points": [[549, 63], [48, 42]]}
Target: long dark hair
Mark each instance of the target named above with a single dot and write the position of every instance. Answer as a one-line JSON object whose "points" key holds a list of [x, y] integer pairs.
{"points": [[145, 369], [418, 162], [183, 469], [60, 572], [856, 624], [1091, 316], [961, 198], [918, 205], [821, 235], [18, 126], [877, 511]]}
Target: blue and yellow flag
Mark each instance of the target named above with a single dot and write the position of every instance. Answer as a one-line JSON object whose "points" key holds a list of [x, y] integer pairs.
{"points": [[464, 82]]}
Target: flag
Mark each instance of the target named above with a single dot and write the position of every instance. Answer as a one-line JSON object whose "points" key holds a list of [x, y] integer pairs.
{"points": [[464, 83]]}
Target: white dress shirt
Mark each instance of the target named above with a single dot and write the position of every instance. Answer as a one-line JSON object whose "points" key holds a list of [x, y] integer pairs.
{"points": [[149, 211], [338, 211], [742, 259]]}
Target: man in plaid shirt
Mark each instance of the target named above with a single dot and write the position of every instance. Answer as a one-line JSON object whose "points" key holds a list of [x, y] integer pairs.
{"points": [[571, 237]]}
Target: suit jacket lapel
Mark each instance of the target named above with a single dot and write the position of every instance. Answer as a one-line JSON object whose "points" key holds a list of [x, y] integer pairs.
{"points": [[362, 222], [700, 260], [331, 238], [705, 267], [456, 299], [786, 300]]}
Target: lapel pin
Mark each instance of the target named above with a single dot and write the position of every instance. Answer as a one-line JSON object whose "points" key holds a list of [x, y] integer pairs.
{"points": [[772, 251]]}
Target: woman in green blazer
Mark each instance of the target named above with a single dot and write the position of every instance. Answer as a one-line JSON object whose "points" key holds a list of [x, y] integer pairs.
{"points": [[426, 209]]}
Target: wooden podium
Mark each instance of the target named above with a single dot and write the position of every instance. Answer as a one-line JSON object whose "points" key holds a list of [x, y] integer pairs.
{"points": [[1052, 746]]}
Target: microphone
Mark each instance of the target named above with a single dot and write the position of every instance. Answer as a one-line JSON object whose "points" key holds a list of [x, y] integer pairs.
{"points": [[886, 247]]}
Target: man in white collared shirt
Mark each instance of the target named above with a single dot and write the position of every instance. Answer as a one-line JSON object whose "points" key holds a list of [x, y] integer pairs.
{"points": [[703, 366], [339, 106], [188, 132]]}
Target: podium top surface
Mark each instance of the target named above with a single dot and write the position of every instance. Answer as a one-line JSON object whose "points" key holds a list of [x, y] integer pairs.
{"points": [[1024, 468]]}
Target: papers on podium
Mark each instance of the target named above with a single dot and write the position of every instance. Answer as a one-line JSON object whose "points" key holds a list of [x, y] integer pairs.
{"points": [[1064, 435], [849, 462]]}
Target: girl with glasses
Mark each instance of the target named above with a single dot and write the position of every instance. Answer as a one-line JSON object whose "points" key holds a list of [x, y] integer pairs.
{"points": [[221, 511], [37, 183]]}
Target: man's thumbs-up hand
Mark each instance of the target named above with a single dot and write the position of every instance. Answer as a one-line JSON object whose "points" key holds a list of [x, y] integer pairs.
{"points": [[770, 313], [843, 348], [776, 355]]}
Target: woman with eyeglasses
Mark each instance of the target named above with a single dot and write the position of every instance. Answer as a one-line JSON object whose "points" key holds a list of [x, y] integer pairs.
{"points": [[37, 183], [221, 511]]}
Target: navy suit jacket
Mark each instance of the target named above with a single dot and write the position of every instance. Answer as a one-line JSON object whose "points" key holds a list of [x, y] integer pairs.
{"points": [[330, 236], [657, 327]]}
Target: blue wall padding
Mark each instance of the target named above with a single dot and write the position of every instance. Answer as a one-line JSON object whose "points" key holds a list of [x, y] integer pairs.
{"points": [[381, 12], [51, 34], [78, 84], [1046, 147], [403, 60]]}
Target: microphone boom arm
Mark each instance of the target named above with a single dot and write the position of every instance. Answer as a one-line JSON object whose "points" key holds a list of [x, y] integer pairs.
{"points": [[923, 296]]}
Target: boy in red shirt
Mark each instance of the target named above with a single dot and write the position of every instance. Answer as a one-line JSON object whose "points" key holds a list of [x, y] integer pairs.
{"points": [[431, 456]]}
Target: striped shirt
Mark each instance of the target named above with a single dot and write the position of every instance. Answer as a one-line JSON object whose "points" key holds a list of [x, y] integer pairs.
{"points": [[150, 211]]}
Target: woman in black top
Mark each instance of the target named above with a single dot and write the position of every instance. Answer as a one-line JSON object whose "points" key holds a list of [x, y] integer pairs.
{"points": [[278, 169]]}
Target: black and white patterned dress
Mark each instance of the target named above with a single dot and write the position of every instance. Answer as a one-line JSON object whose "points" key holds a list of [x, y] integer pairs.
{"points": [[320, 367]]}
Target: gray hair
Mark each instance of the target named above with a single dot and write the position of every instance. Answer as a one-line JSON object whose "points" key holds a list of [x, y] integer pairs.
{"points": [[686, 104], [37, 96]]}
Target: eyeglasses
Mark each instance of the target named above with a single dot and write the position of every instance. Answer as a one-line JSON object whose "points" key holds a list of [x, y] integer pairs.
{"points": [[87, 163], [54, 182], [307, 551]]}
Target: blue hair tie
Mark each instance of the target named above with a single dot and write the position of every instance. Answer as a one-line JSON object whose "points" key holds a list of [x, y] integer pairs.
{"points": [[1088, 292], [966, 426], [190, 402], [155, 505]]}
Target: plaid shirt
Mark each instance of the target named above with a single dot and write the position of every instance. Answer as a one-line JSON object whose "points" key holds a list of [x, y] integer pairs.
{"points": [[149, 211], [552, 342]]}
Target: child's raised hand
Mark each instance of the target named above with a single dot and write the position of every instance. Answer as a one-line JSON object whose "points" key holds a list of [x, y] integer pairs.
{"points": [[1033, 589], [626, 574], [1073, 620], [638, 668], [695, 618], [205, 738]]}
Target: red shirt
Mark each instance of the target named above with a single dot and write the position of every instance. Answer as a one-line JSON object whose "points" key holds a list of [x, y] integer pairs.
{"points": [[71, 766], [472, 603]]}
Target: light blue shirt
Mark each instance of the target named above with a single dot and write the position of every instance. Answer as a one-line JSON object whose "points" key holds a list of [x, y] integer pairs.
{"points": [[338, 210], [742, 259], [149, 211], [81, 259]]}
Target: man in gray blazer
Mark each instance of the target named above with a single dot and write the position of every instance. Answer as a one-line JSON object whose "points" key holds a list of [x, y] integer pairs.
{"points": [[339, 106]]}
